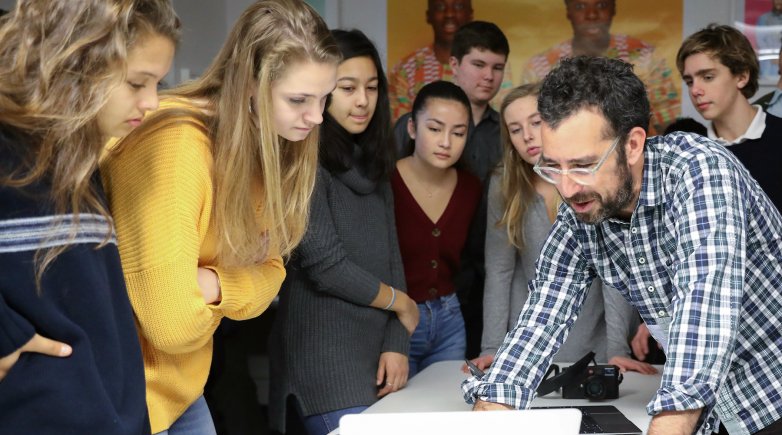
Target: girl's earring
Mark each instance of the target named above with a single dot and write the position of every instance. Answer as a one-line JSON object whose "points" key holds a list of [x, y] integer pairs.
{"points": [[252, 105]]}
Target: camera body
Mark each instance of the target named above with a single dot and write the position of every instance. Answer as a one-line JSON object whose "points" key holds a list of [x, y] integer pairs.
{"points": [[596, 382]]}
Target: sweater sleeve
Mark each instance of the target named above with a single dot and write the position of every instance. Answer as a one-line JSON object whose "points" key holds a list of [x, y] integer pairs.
{"points": [[396, 338], [619, 316], [500, 263], [248, 292], [15, 330], [323, 257], [160, 194]]}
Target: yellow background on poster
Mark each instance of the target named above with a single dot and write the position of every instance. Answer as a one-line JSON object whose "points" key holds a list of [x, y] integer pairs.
{"points": [[533, 26]]}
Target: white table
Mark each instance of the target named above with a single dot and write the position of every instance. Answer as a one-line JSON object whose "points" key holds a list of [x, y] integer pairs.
{"points": [[438, 389]]}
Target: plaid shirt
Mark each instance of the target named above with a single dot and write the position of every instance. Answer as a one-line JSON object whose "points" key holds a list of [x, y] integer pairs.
{"points": [[701, 257]]}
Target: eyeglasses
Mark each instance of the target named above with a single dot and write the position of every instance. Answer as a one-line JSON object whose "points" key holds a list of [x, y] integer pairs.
{"points": [[582, 176]]}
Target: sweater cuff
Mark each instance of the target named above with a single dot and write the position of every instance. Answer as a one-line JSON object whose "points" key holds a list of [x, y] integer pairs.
{"points": [[396, 338], [15, 330], [247, 292]]}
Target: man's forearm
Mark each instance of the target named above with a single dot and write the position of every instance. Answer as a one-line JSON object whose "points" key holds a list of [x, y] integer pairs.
{"points": [[674, 422], [481, 405]]}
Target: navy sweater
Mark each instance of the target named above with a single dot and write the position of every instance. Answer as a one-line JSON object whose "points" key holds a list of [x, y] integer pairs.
{"points": [[82, 301], [762, 158]]}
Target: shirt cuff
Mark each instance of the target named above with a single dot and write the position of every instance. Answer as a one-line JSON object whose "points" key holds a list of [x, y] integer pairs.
{"points": [[512, 395], [683, 397]]}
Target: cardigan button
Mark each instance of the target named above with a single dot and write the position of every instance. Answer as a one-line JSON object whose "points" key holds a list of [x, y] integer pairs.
{"points": [[432, 292], [434, 264], [436, 232]]}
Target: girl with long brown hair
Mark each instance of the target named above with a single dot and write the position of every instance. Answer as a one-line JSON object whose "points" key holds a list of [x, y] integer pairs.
{"points": [[213, 190], [522, 207], [73, 73]]}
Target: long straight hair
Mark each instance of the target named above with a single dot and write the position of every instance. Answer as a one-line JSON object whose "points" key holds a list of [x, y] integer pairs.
{"points": [[268, 38], [60, 60], [517, 188], [377, 141]]}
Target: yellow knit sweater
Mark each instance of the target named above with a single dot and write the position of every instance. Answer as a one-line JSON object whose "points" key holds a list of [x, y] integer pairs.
{"points": [[160, 195]]}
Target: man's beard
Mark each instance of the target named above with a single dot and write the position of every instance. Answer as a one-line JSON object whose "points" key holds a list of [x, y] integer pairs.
{"points": [[606, 208]]}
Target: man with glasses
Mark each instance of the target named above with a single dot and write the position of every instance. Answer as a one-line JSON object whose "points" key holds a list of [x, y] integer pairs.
{"points": [[678, 226]]}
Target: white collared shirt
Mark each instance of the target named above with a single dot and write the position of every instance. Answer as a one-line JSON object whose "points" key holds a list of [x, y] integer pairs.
{"points": [[755, 130]]}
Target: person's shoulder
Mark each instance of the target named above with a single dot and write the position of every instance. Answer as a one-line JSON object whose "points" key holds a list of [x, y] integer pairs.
{"points": [[764, 100], [763, 18], [679, 143], [772, 132], [175, 126], [679, 153], [495, 177], [773, 121]]}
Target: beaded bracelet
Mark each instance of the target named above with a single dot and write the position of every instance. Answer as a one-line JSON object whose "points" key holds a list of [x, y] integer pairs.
{"points": [[393, 298]]}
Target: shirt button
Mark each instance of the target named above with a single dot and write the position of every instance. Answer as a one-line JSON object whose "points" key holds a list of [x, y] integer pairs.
{"points": [[434, 264], [642, 260], [661, 313], [433, 292], [650, 288], [634, 230], [436, 232]]}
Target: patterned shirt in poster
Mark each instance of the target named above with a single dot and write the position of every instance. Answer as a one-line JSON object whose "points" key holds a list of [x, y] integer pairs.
{"points": [[658, 78]]}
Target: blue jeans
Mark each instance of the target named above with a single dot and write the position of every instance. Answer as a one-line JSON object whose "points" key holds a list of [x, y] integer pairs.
{"points": [[321, 424], [439, 335], [195, 421]]}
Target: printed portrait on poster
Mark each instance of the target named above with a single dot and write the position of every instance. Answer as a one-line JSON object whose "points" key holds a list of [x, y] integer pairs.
{"points": [[646, 34]]}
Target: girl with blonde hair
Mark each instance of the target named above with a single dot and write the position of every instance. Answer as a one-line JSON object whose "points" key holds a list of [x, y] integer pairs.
{"points": [[522, 207], [73, 73], [343, 304], [213, 190]]}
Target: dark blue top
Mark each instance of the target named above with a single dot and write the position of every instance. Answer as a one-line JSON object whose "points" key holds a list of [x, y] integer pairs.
{"points": [[82, 301], [762, 157]]}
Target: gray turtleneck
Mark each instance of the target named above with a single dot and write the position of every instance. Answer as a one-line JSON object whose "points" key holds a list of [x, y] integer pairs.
{"points": [[326, 340]]}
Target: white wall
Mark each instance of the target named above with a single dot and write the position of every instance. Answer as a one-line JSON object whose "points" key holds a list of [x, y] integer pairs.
{"points": [[369, 16], [7, 4], [204, 29]]}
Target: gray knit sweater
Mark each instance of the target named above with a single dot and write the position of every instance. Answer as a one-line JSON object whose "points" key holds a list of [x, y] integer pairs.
{"points": [[326, 340], [605, 319]]}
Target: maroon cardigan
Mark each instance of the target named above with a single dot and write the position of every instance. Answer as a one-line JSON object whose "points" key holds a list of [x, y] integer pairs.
{"points": [[431, 251]]}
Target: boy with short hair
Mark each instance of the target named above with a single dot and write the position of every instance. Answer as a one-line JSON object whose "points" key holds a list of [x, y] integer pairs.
{"points": [[720, 69], [479, 53]]}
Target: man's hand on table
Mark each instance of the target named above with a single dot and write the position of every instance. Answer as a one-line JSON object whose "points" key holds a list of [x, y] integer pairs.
{"points": [[628, 364]]}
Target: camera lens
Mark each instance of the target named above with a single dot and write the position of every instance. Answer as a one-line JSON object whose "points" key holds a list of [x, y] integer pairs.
{"points": [[594, 388]]}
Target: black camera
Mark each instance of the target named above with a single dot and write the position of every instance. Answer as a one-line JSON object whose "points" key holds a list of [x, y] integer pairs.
{"points": [[582, 381], [596, 382]]}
